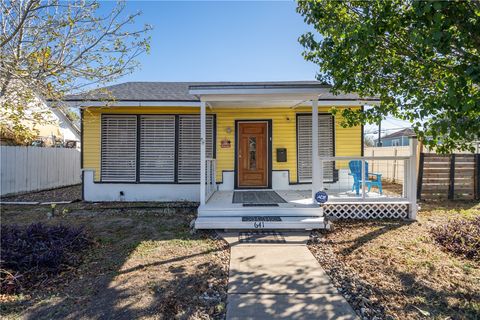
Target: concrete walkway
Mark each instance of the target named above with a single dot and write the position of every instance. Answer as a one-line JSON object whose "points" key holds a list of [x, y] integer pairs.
{"points": [[280, 281]]}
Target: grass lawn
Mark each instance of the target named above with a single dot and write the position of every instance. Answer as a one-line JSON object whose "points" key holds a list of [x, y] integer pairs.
{"points": [[396, 269], [144, 264]]}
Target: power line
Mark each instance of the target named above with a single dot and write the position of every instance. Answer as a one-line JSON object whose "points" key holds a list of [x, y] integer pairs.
{"points": [[375, 131]]}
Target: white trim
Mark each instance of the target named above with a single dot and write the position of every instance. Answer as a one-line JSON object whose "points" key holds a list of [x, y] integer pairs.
{"points": [[137, 191], [317, 174], [203, 161], [295, 97], [365, 158], [340, 103], [86, 104], [286, 100], [412, 179], [281, 102]]}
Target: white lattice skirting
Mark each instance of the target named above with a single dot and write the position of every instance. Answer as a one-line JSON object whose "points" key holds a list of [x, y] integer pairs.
{"points": [[366, 210]]}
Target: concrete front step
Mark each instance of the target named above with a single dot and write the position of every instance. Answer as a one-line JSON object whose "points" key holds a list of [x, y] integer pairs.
{"points": [[286, 223]]}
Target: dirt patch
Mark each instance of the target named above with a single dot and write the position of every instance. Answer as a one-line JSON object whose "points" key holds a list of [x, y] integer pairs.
{"points": [[395, 270], [392, 189], [145, 264], [70, 193]]}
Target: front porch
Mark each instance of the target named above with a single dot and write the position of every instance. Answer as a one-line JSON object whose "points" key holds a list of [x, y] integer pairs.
{"points": [[316, 167], [294, 199], [298, 211]]}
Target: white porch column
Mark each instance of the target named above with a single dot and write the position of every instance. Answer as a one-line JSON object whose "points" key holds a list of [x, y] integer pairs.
{"points": [[317, 180], [412, 179], [203, 137]]}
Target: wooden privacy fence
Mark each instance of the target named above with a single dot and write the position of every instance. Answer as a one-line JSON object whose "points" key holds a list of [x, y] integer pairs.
{"points": [[453, 176], [32, 168]]}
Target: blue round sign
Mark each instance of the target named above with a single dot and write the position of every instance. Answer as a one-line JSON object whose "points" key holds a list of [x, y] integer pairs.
{"points": [[321, 196]]}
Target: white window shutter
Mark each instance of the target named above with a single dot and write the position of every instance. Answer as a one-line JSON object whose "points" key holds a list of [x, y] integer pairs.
{"points": [[157, 148], [304, 146], [189, 147], [119, 148]]}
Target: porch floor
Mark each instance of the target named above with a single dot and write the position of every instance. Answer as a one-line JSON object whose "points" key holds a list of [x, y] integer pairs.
{"points": [[295, 199], [300, 198]]}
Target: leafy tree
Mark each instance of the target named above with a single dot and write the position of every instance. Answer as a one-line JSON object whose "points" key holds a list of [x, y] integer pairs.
{"points": [[421, 58], [51, 47]]}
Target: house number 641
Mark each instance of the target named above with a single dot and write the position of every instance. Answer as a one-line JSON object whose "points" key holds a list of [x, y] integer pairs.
{"points": [[259, 225]]}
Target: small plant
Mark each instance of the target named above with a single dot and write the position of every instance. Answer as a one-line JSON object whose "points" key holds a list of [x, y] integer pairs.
{"points": [[461, 237], [30, 254], [51, 214], [65, 211]]}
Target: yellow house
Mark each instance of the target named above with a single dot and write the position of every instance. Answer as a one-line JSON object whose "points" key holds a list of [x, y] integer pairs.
{"points": [[243, 150]]}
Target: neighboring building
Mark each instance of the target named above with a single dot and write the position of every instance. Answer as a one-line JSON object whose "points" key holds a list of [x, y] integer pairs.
{"points": [[56, 130], [204, 141], [61, 132], [397, 139]]}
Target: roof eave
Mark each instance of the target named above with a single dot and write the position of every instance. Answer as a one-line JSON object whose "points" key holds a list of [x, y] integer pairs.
{"points": [[132, 103], [255, 90]]}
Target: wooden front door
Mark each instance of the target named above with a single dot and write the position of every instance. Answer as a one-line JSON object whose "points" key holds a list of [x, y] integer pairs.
{"points": [[252, 154]]}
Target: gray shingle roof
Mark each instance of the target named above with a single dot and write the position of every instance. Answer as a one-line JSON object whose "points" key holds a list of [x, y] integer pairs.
{"points": [[179, 91], [402, 133]]}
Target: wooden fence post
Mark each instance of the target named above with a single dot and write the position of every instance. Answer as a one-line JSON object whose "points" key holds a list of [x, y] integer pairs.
{"points": [[451, 186], [477, 177], [420, 175]]}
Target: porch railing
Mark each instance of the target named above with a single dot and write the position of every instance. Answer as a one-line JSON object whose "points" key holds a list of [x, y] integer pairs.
{"points": [[373, 164], [353, 186], [210, 181]]}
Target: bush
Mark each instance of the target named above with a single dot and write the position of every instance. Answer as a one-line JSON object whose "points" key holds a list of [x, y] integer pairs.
{"points": [[33, 253], [461, 237]]}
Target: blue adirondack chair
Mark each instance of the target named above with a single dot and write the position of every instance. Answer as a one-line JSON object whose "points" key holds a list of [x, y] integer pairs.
{"points": [[356, 171]]}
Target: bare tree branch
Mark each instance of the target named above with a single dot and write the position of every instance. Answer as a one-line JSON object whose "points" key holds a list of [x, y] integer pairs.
{"points": [[53, 47]]}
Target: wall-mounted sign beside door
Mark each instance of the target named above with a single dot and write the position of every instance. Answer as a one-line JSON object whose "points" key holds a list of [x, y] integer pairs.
{"points": [[225, 143]]}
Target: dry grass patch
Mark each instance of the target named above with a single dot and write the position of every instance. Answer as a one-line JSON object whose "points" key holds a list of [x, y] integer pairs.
{"points": [[145, 264], [399, 270]]}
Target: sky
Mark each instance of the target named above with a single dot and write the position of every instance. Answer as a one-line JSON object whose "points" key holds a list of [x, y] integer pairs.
{"points": [[224, 41]]}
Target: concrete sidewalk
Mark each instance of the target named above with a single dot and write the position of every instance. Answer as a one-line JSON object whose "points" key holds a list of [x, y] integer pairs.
{"points": [[280, 281]]}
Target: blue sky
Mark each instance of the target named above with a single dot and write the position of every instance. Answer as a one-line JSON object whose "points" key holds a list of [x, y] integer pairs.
{"points": [[225, 41], [221, 41]]}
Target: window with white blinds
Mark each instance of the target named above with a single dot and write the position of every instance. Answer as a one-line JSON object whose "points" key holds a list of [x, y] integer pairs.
{"points": [[189, 146], [162, 148], [119, 148], [304, 146], [157, 148]]}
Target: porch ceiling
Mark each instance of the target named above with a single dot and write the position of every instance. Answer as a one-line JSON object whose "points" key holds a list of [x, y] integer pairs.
{"points": [[285, 96], [285, 103], [256, 103]]}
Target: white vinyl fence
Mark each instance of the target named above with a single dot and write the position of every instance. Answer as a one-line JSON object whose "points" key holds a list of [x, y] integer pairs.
{"points": [[33, 168]]}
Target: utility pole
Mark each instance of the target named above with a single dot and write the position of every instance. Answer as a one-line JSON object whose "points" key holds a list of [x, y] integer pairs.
{"points": [[379, 141]]}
